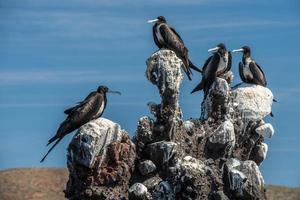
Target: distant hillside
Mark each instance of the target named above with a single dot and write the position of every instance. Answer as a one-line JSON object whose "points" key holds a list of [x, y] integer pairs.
{"points": [[48, 184]]}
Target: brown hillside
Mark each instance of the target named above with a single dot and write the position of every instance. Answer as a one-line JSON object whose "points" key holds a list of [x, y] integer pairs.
{"points": [[48, 184]]}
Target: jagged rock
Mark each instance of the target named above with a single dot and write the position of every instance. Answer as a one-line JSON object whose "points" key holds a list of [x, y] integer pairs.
{"points": [[164, 71], [254, 102], [92, 138], [146, 167], [188, 126], [222, 141], [192, 164], [163, 192], [138, 192], [152, 182], [219, 195], [144, 132], [265, 130], [259, 153], [161, 152], [216, 103], [244, 179], [101, 158]]}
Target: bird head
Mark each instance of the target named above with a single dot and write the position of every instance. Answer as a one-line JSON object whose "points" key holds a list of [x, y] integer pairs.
{"points": [[220, 48], [158, 20], [245, 49], [103, 89]]}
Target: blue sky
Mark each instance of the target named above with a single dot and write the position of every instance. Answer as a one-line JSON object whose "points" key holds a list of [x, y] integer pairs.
{"points": [[54, 52]]}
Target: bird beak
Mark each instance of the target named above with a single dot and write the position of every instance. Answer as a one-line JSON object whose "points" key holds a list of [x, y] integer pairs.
{"points": [[238, 50], [213, 50], [152, 21], [114, 92]]}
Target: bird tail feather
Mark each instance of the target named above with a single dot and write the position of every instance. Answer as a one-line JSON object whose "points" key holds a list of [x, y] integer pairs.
{"points": [[194, 67], [50, 149], [200, 86]]}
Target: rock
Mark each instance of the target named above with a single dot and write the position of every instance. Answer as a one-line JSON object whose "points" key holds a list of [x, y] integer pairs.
{"points": [[161, 152], [164, 71], [216, 103], [192, 164], [244, 179], [146, 167], [265, 130], [152, 182], [101, 154], [219, 195], [138, 192], [188, 126], [144, 132], [92, 138], [259, 153], [254, 102], [222, 141], [164, 192]]}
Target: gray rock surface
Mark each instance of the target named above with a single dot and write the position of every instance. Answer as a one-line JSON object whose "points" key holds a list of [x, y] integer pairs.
{"points": [[266, 130], [101, 159], [146, 167], [161, 153], [92, 138], [138, 192], [216, 103], [164, 71], [254, 102]]}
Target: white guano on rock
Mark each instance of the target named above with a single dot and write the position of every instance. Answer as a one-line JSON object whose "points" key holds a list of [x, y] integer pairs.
{"points": [[254, 102], [92, 138]]}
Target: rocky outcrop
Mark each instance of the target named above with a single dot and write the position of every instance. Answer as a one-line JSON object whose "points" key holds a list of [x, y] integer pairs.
{"points": [[101, 158], [213, 157]]}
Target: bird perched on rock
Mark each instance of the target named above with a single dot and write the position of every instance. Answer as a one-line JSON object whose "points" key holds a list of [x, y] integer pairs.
{"points": [[216, 65], [250, 71], [92, 107], [165, 37]]}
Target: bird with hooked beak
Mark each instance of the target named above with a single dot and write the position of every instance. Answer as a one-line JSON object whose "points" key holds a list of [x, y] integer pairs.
{"points": [[216, 65], [92, 107], [250, 71], [165, 37]]}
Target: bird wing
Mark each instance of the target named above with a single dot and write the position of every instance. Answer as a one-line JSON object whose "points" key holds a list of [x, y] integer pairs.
{"points": [[175, 32], [79, 104], [241, 66], [229, 61], [206, 63], [209, 72], [175, 43], [258, 74], [80, 115]]}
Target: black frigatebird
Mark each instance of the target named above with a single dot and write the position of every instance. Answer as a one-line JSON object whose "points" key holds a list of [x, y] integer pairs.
{"points": [[250, 71], [216, 65], [165, 37], [92, 107]]}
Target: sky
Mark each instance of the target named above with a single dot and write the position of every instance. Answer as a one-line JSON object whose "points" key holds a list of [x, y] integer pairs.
{"points": [[54, 52]]}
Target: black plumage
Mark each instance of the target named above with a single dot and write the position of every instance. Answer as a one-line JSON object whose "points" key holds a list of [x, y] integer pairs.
{"points": [[92, 107], [166, 37], [216, 65], [249, 70]]}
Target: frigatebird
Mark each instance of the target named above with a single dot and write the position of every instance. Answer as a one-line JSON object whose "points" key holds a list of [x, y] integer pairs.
{"points": [[250, 71], [92, 107], [165, 37], [216, 65]]}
